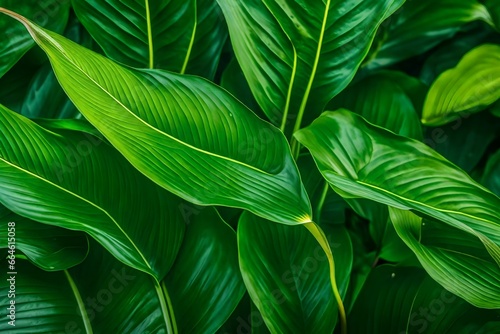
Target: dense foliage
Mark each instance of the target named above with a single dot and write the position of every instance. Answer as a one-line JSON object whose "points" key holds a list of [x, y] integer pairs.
{"points": [[250, 166]]}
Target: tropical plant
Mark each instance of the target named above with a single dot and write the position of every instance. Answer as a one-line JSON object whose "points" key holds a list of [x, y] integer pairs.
{"points": [[250, 166]]}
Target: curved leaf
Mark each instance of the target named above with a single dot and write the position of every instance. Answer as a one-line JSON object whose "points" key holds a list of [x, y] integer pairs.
{"points": [[363, 160], [176, 35], [406, 300], [118, 299], [49, 247], [421, 25], [76, 181], [471, 86], [297, 55], [455, 259], [15, 40], [217, 154], [385, 99], [287, 274]]}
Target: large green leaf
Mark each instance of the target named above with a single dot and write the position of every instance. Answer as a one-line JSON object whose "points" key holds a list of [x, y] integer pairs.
{"points": [[74, 180], [471, 86], [177, 35], [421, 25], [386, 99], [363, 160], [15, 40], [286, 273], [118, 299], [455, 259], [49, 247], [491, 176], [296, 55], [218, 153], [398, 300]]}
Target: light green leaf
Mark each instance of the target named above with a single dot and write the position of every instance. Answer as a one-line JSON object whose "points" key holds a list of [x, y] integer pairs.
{"points": [[406, 300], [388, 99], [421, 25], [491, 176], [176, 35], [76, 181], [471, 86], [286, 273], [15, 40], [219, 153], [363, 160], [49, 247], [453, 258], [297, 55]]}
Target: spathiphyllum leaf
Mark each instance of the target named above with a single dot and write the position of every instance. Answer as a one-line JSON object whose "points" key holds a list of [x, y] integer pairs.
{"points": [[15, 40], [421, 25], [455, 259], [296, 55], [406, 300], [74, 180], [471, 86], [389, 99], [119, 299], [183, 132], [49, 247], [286, 273], [177, 35], [359, 159]]}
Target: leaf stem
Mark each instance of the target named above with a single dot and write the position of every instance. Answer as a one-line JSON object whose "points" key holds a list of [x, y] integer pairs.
{"points": [[323, 241], [166, 307], [81, 304], [321, 201]]}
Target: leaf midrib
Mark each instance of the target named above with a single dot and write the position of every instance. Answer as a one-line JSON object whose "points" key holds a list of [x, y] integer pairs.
{"points": [[150, 35], [54, 43], [84, 200]]}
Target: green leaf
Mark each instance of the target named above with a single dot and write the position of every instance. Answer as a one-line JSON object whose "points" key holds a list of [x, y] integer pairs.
{"points": [[176, 35], [286, 273], [406, 300], [118, 299], [471, 86], [455, 259], [75, 181], [421, 25], [449, 53], [205, 283], [49, 247], [219, 153], [491, 176], [15, 40], [388, 99], [297, 55], [361, 160]]}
